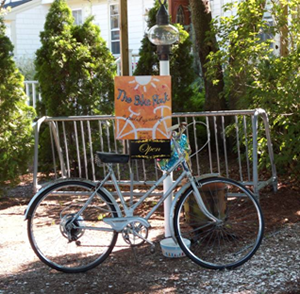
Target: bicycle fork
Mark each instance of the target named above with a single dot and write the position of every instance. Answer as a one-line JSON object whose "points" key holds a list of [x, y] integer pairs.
{"points": [[202, 205], [199, 201]]}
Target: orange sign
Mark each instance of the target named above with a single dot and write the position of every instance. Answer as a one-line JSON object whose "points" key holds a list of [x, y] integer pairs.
{"points": [[143, 107]]}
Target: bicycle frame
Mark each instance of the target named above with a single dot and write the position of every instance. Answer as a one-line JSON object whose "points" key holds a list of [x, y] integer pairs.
{"points": [[129, 210], [120, 222]]}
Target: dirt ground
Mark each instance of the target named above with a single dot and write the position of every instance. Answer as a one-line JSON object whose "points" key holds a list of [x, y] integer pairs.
{"points": [[274, 269]]}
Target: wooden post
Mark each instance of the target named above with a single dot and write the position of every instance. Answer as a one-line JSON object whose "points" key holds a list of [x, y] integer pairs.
{"points": [[284, 33], [124, 38]]}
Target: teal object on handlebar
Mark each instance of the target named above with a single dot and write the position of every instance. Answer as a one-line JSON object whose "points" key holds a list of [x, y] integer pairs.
{"points": [[165, 164]]}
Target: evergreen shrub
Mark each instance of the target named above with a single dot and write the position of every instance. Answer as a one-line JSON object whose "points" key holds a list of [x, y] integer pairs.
{"points": [[75, 70], [16, 138]]}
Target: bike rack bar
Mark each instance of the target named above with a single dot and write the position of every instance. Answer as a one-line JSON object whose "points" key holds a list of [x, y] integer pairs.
{"points": [[225, 127]]}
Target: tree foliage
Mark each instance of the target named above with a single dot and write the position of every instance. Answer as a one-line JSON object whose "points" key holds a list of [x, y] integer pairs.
{"points": [[16, 117], [75, 70], [258, 77], [74, 67], [186, 95]]}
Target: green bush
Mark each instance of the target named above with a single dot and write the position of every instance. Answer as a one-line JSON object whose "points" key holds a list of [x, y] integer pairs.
{"points": [[16, 117], [75, 70], [74, 67], [256, 77]]}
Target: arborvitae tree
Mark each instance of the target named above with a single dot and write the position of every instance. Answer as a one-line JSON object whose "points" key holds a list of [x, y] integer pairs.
{"points": [[184, 94], [51, 59], [93, 66], [16, 138], [74, 67], [75, 70]]}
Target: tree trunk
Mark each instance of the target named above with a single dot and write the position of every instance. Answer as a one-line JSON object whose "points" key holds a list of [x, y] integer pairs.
{"points": [[201, 18], [284, 51]]}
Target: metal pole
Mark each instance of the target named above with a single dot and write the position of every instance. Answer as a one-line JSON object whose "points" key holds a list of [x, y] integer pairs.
{"points": [[164, 70]]}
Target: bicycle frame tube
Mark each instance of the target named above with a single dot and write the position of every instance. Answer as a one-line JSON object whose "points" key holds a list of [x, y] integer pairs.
{"points": [[90, 198], [186, 173], [130, 209]]}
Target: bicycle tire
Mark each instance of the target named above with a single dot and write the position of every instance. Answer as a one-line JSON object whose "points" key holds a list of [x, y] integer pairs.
{"points": [[49, 237], [235, 239]]}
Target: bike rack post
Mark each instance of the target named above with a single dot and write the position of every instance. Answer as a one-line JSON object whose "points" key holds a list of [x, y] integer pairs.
{"points": [[37, 126], [254, 154]]}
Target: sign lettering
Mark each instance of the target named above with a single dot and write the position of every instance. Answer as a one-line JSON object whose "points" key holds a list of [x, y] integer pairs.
{"points": [[149, 149]]}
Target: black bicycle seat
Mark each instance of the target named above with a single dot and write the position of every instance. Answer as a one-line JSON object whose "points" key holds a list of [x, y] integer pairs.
{"points": [[107, 157]]}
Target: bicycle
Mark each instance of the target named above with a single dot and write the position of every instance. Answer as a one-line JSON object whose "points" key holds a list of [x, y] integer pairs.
{"points": [[73, 225]]}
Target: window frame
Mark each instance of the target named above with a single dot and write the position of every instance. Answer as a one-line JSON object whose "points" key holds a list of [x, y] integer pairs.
{"points": [[114, 29], [75, 17]]}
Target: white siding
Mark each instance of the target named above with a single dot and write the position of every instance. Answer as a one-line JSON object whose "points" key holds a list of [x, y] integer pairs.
{"points": [[136, 22], [8, 30], [135, 25], [28, 26], [100, 13], [217, 7], [28, 20]]}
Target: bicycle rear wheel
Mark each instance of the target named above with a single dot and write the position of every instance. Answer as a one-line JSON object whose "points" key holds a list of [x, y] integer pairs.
{"points": [[71, 249], [229, 243]]}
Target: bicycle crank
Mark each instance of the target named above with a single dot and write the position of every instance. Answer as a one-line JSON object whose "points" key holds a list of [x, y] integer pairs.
{"points": [[135, 233]]}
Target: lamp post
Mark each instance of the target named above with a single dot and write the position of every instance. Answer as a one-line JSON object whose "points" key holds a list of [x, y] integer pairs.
{"points": [[163, 35]]}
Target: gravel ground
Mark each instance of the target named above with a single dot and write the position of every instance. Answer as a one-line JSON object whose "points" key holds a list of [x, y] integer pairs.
{"points": [[275, 268]]}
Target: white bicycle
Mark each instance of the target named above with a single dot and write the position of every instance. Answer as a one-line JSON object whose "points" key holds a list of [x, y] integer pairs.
{"points": [[73, 225]]}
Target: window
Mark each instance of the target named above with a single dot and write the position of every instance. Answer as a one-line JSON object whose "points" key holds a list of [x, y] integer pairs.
{"points": [[115, 29], [180, 15], [77, 14]]}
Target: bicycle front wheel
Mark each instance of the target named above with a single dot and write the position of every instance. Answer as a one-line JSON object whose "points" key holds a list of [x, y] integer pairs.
{"points": [[225, 244], [84, 244]]}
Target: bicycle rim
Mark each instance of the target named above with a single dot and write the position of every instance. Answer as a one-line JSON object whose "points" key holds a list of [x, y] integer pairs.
{"points": [[235, 239], [78, 249]]}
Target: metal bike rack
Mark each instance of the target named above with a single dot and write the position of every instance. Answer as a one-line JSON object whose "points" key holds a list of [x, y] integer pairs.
{"points": [[232, 134]]}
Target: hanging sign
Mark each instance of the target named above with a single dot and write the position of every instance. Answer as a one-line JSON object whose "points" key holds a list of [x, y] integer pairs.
{"points": [[143, 107], [149, 149]]}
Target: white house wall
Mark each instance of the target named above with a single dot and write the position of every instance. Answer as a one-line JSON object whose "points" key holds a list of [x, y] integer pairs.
{"points": [[28, 26], [25, 22], [136, 20], [100, 13]]}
